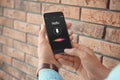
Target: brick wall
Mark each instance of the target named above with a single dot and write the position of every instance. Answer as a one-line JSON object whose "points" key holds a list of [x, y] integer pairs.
{"points": [[96, 24]]}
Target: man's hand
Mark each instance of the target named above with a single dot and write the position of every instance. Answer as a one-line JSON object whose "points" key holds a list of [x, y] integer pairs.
{"points": [[45, 53], [84, 62]]}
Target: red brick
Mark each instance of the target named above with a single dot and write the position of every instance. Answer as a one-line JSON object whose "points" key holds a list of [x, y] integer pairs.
{"points": [[115, 4], [31, 60], [15, 14], [6, 41], [26, 48], [5, 76], [101, 17], [14, 34], [20, 15], [13, 53], [105, 48], [87, 3], [87, 29], [6, 22], [33, 0], [26, 27], [75, 38], [34, 18], [33, 40], [0, 47], [113, 35], [9, 12], [1, 11], [5, 59], [54, 1], [33, 7], [33, 29], [22, 26], [28, 6], [110, 63], [68, 75], [69, 12], [20, 4], [14, 72], [7, 3], [24, 67], [1, 29], [1, 64]]}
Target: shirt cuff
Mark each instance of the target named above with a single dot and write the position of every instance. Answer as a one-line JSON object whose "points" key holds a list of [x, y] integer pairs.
{"points": [[49, 74], [114, 74]]}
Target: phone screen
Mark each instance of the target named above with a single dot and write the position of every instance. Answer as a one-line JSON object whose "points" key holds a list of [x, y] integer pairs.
{"points": [[57, 31]]}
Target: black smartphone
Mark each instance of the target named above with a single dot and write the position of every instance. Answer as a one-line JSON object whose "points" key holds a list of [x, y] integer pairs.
{"points": [[57, 31]]}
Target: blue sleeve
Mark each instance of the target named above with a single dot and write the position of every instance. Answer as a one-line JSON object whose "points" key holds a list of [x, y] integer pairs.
{"points": [[49, 74], [114, 74]]}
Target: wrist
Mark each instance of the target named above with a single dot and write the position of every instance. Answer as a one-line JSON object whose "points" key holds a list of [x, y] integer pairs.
{"points": [[50, 61], [46, 66], [106, 71], [102, 73]]}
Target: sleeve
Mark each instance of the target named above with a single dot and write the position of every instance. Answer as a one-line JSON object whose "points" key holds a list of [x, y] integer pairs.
{"points": [[114, 74], [49, 74]]}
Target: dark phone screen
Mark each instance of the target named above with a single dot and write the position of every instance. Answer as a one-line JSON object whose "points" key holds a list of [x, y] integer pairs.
{"points": [[57, 31]]}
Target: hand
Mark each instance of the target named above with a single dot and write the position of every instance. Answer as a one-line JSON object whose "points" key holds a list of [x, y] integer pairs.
{"points": [[84, 62], [45, 53]]}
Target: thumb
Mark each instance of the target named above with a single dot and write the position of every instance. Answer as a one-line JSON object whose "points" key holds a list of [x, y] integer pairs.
{"points": [[72, 51], [65, 62]]}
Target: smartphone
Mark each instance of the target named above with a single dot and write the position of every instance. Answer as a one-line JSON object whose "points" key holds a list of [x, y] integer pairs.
{"points": [[57, 31]]}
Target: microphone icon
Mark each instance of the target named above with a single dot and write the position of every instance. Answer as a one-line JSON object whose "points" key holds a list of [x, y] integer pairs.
{"points": [[57, 30]]}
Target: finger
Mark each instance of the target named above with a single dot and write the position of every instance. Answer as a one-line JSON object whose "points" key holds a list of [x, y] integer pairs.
{"points": [[74, 45], [71, 38], [70, 51], [74, 59], [82, 47], [77, 63], [42, 32], [69, 25], [86, 49], [65, 62], [77, 52], [68, 57], [57, 56], [65, 56], [70, 33]]}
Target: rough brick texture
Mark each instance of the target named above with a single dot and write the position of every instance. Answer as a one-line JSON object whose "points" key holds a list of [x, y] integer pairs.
{"points": [[15, 14], [87, 29], [34, 18], [1, 11], [113, 35], [54, 1], [87, 3], [103, 47], [95, 23], [101, 17], [28, 6], [7, 3], [69, 12], [110, 63], [6, 22], [115, 4]]}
